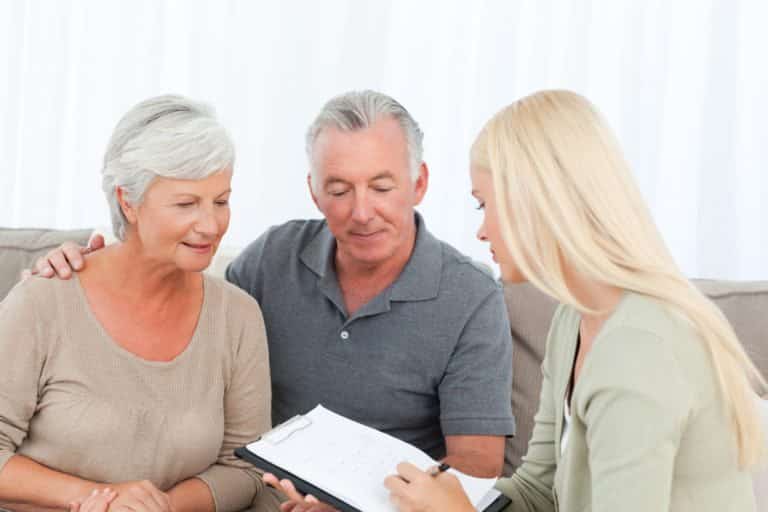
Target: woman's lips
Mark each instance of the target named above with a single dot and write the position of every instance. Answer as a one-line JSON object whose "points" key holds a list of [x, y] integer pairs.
{"points": [[199, 248]]}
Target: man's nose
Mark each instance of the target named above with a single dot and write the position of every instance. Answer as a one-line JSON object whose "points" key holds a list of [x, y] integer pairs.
{"points": [[362, 211]]}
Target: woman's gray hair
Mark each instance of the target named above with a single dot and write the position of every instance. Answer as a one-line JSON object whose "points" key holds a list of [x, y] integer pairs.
{"points": [[357, 110], [166, 136]]}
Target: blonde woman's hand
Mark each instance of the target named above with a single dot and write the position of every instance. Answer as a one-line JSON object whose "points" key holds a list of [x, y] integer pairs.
{"points": [[414, 490], [97, 501]]}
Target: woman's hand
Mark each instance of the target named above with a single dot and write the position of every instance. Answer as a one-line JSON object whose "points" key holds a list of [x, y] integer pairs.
{"points": [[97, 501], [414, 490], [140, 496], [296, 502]]}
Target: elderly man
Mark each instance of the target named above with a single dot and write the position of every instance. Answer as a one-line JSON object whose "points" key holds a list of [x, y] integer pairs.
{"points": [[366, 312]]}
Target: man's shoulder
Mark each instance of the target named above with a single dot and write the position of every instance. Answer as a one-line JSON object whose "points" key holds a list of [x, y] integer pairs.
{"points": [[461, 270], [290, 236]]}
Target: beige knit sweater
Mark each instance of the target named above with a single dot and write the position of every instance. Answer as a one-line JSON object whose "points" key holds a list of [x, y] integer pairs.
{"points": [[75, 401]]}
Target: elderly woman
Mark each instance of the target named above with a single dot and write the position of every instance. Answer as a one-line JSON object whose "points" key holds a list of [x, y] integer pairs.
{"points": [[136, 379]]}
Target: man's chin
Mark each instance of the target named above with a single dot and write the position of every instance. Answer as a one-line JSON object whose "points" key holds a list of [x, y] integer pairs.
{"points": [[369, 256]]}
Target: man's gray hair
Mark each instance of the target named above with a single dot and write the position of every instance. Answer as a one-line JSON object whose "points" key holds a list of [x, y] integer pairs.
{"points": [[168, 136], [357, 110]]}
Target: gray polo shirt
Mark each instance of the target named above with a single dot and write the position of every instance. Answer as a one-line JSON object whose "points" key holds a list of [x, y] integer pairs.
{"points": [[429, 356]]}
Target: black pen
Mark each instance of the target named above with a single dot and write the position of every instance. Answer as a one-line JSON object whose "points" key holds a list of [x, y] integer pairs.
{"points": [[439, 469]]}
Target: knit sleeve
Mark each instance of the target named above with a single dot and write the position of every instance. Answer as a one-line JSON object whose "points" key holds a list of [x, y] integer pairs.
{"points": [[22, 357], [247, 414]]}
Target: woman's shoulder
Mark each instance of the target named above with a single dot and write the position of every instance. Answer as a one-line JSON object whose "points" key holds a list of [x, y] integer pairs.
{"points": [[234, 316], [646, 344], [233, 299], [38, 307], [640, 318], [563, 327], [42, 293]]}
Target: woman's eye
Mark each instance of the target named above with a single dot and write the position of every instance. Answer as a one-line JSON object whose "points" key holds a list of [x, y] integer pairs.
{"points": [[337, 193], [184, 205], [222, 202]]}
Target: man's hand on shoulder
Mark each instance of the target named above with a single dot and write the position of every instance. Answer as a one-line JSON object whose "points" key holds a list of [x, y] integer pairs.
{"points": [[63, 260]]}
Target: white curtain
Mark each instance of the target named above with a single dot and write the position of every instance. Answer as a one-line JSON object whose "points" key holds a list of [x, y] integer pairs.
{"points": [[684, 84]]}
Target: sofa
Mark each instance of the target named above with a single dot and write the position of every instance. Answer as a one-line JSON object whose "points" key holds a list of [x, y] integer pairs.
{"points": [[744, 303]]}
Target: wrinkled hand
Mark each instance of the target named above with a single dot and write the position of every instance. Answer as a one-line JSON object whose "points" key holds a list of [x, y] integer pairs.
{"points": [[60, 262], [414, 490], [97, 501], [296, 502], [140, 496]]}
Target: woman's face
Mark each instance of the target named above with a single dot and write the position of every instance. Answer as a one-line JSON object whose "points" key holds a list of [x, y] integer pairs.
{"points": [[181, 222], [482, 190]]}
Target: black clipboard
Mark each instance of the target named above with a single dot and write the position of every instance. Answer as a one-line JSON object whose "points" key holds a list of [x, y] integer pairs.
{"points": [[307, 488], [302, 485]]}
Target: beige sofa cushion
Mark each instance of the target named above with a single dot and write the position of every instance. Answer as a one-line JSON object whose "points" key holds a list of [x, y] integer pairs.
{"points": [[530, 311], [19, 248]]}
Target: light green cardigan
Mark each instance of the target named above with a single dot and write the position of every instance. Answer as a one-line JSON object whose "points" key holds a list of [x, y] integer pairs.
{"points": [[648, 432]]}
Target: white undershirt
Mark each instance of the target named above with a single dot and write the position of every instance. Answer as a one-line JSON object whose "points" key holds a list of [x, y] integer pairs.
{"points": [[566, 426]]}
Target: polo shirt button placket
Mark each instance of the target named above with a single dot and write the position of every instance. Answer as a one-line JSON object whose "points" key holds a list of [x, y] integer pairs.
{"points": [[344, 335]]}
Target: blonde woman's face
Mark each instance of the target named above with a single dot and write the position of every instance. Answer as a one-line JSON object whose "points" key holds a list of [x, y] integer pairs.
{"points": [[482, 190]]}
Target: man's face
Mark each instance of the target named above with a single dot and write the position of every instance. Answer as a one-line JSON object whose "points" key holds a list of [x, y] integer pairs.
{"points": [[363, 187]]}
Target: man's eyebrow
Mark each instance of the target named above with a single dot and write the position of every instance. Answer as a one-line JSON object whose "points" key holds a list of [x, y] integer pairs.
{"points": [[384, 175], [333, 181]]}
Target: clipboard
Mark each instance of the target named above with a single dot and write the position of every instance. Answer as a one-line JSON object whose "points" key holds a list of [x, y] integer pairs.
{"points": [[286, 431], [303, 486], [499, 504]]}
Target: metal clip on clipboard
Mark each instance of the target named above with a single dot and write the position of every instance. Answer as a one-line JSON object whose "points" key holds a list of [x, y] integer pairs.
{"points": [[286, 429]]}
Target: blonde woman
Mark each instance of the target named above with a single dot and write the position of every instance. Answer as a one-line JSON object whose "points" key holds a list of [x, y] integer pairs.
{"points": [[647, 401]]}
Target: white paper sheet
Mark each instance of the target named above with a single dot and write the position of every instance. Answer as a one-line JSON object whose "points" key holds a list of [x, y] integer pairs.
{"points": [[347, 459]]}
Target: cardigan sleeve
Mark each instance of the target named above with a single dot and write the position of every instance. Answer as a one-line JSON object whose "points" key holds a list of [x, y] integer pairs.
{"points": [[247, 411], [22, 357], [634, 402], [530, 487]]}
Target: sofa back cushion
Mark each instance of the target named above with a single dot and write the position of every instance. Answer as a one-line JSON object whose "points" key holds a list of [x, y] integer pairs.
{"points": [[19, 248], [745, 304]]}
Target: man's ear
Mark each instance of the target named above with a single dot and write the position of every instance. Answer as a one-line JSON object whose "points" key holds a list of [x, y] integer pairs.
{"points": [[421, 184], [311, 189], [129, 211]]}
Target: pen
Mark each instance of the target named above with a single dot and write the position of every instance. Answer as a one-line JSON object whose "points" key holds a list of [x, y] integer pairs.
{"points": [[439, 469]]}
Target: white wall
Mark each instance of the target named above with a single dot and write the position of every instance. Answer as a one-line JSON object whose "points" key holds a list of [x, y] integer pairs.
{"points": [[684, 83]]}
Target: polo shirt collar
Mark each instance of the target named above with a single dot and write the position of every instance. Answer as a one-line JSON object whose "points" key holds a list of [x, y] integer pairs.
{"points": [[419, 280]]}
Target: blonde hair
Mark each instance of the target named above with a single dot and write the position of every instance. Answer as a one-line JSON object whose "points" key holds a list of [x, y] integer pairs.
{"points": [[565, 193]]}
